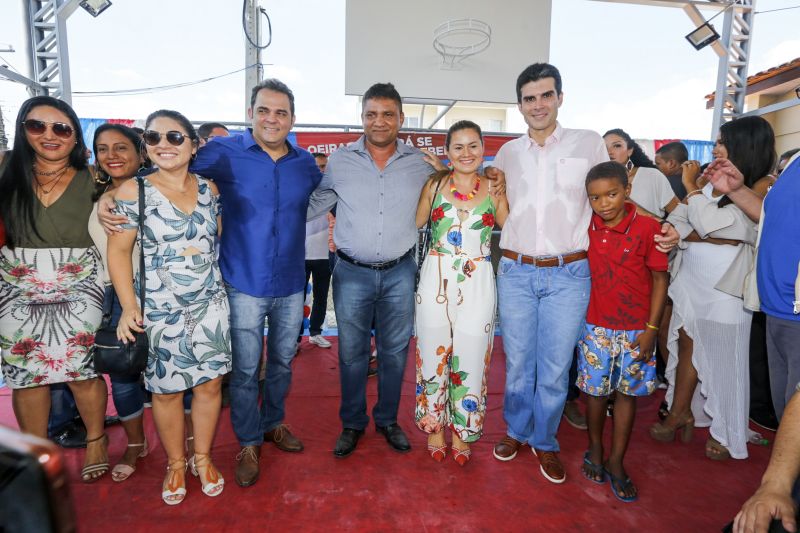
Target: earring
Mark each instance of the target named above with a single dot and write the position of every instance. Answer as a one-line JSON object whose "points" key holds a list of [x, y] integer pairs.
{"points": [[629, 165]]}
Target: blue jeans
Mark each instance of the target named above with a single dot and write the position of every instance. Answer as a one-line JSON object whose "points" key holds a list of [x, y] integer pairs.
{"points": [[359, 294], [541, 310], [284, 316], [62, 408]]}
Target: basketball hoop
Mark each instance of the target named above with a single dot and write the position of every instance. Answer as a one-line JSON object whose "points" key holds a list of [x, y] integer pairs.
{"points": [[456, 40]]}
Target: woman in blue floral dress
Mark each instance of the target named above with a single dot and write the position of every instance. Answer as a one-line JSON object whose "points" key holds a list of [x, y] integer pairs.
{"points": [[455, 301], [186, 308]]}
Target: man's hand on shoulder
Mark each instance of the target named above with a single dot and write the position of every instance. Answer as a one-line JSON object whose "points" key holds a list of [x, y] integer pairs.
{"points": [[432, 160], [497, 183]]}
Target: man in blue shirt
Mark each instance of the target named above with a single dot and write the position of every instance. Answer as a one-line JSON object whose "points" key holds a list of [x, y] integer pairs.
{"points": [[265, 184]]}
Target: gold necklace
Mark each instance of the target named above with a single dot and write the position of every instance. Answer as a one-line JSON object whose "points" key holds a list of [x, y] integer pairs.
{"points": [[41, 186], [49, 172]]}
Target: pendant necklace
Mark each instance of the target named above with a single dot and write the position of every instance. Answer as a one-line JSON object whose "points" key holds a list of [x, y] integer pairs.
{"points": [[41, 186]]}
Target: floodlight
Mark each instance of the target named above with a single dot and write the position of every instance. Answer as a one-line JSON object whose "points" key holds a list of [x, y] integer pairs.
{"points": [[95, 7], [702, 36]]}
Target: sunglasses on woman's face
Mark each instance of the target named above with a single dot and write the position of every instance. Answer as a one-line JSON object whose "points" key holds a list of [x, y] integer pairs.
{"points": [[175, 138], [39, 127]]}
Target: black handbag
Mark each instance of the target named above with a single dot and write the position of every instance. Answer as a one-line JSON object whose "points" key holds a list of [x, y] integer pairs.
{"points": [[111, 355], [424, 244]]}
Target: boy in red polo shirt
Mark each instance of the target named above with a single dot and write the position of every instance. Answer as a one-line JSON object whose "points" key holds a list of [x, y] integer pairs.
{"points": [[629, 288]]}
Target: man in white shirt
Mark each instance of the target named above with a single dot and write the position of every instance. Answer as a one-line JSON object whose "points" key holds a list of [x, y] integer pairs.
{"points": [[543, 278]]}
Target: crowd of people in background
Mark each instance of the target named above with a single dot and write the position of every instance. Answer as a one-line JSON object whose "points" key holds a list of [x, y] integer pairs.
{"points": [[622, 272]]}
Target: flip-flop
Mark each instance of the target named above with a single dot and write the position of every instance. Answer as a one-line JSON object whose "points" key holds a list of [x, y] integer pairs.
{"points": [[623, 484], [594, 468]]}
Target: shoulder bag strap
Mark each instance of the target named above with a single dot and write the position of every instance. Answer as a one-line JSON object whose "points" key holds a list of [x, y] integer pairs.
{"points": [[141, 245]]}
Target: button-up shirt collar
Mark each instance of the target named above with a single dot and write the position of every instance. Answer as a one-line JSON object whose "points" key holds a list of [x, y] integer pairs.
{"points": [[376, 209], [553, 138]]}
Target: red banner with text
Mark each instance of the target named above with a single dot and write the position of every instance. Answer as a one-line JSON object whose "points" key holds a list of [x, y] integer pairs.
{"points": [[327, 142]]}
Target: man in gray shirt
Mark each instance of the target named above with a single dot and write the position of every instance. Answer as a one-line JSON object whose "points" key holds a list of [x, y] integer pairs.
{"points": [[378, 180]]}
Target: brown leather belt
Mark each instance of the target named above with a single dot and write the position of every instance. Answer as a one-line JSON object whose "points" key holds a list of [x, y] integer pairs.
{"points": [[550, 261]]}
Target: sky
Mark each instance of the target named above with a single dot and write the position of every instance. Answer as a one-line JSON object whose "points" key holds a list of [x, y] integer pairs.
{"points": [[623, 65]]}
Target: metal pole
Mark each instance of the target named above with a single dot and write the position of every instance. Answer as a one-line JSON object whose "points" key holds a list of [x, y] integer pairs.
{"points": [[722, 79], [252, 55], [27, 17], [3, 138], [65, 9], [441, 114]]}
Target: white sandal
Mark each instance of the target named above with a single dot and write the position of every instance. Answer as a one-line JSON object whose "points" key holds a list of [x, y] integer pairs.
{"points": [[170, 495], [121, 471], [216, 481]]}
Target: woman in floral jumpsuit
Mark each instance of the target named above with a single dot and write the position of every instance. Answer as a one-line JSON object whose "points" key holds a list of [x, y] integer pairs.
{"points": [[456, 300]]}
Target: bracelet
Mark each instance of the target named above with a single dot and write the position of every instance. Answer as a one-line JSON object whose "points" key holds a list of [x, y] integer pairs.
{"points": [[650, 326], [696, 191]]}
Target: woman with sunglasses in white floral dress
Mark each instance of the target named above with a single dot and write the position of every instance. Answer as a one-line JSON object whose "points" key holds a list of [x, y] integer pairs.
{"points": [[186, 312]]}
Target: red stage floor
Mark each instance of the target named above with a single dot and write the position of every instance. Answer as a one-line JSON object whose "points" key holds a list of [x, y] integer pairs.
{"points": [[377, 489]]}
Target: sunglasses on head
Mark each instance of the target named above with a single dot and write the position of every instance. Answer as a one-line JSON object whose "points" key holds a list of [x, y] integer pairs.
{"points": [[39, 127], [175, 138]]}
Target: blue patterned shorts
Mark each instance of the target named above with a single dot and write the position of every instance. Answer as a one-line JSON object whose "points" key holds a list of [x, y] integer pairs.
{"points": [[606, 363]]}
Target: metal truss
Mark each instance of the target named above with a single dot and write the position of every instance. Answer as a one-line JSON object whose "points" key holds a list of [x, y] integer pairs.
{"points": [[48, 51], [733, 49], [732, 73]]}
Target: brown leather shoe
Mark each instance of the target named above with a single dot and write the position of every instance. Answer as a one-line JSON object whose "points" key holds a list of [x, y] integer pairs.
{"points": [[551, 466], [506, 449], [283, 439], [247, 465]]}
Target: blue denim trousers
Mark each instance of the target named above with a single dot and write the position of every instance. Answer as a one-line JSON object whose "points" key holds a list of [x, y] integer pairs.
{"points": [[248, 313], [359, 294], [541, 312]]}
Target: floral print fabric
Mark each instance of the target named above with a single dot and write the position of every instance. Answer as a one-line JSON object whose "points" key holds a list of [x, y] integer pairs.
{"points": [[51, 302], [606, 363], [455, 311], [186, 313]]}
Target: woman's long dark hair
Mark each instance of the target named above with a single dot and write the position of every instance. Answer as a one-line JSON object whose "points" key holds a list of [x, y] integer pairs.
{"points": [[750, 143], [102, 179], [638, 157], [17, 196]]}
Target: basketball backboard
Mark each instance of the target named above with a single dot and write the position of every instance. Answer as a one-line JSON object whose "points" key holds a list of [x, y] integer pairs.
{"points": [[465, 50]]}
